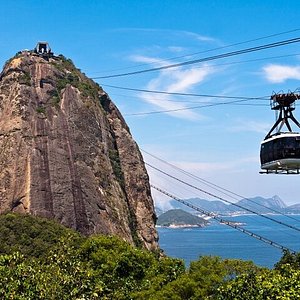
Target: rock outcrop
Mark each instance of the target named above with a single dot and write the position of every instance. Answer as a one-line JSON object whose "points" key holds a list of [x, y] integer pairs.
{"points": [[66, 152]]}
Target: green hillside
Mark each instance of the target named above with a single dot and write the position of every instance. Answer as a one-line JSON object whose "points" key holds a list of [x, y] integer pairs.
{"points": [[179, 217], [32, 236], [42, 260]]}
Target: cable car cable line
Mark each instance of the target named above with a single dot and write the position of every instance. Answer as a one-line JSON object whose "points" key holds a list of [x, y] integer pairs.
{"points": [[184, 108], [182, 101], [186, 94], [223, 199], [210, 58], [218, 188], [223, 221], [204, 51]]}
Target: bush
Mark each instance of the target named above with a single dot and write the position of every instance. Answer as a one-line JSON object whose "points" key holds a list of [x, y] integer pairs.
{"points": [[31, 236]]}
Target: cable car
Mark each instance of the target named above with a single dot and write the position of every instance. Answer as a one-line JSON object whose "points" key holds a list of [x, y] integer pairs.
{"points": [[280, 151]]}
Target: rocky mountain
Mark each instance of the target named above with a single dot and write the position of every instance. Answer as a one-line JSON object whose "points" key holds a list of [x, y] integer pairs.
{"points": [[260, 204], [66, 152], [179, 217], [256, 204], [295, 208]]}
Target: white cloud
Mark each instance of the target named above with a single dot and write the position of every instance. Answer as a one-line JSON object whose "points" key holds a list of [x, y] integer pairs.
{"points": [[176, 49], [174, 80], [280, 73], [147, 60], [210, 168], [198, 37], [244, 125], [169, 32], [185, 79]]}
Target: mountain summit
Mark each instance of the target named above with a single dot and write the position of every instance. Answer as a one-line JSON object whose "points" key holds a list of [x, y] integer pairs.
{"points": [[66, 152]]}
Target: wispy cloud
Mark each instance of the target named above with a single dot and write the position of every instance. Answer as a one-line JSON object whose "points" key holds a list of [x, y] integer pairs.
{"points": [[210, 168], [175, 80], [181, 33], [280, 73], [198, 37], [244, 125], [176, 49]]}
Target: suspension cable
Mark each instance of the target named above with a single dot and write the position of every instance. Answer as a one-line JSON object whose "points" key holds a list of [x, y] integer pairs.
{"points": [[185, 94], [217, 187], [224, 200], [210, 58], [228, 223], [209, 50]]}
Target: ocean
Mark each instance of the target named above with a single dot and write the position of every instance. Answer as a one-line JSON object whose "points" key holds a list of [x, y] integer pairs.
{"points": [[226, 242]]}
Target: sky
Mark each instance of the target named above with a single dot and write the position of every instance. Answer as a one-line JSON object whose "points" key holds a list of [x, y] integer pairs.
{"points": [[219, 143]]}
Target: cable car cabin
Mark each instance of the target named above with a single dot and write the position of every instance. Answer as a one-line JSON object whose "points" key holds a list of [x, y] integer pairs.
{"points": [[280, 153]]}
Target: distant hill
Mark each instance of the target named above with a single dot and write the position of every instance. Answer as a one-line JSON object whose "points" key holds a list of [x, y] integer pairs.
{"points": [[260, 204], [211, 206], [294, 208], [257, 204], [179, 217]]}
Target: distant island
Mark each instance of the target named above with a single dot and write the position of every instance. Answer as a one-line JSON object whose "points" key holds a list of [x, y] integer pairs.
{"points": [[178, 218]]}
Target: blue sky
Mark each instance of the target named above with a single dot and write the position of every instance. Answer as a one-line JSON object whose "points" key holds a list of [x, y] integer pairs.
{"points": [[218, 143]]}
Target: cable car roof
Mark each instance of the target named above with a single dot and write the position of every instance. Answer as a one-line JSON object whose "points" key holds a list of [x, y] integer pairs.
{"points": [[281, 135]]}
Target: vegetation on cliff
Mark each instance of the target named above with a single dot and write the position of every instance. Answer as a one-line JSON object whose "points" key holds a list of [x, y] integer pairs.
{"points": [[70, 266]]}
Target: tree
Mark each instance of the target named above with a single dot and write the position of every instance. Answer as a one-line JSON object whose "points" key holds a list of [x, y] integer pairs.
{"points": [[202, 279], [269, 284]]}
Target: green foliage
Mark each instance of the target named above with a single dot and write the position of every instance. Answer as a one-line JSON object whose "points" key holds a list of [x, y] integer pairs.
{"points": [[203, 278], [41, 110], [60, 276], [124, 269], [269, 284], [68, 266], [25, 79], [279, 283], [116, 165], [53, 93], [55, 101], [31, 236], [64, 64], [87, 89], [74, 77], [70, 78], [289, 258], [40, 259]]}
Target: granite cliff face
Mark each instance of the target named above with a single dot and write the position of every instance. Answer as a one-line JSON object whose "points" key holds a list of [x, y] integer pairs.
{"points": [[66, 152]]}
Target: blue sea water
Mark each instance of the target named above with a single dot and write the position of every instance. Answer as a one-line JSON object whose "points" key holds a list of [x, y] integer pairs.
{"points": [[227, 242]]}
